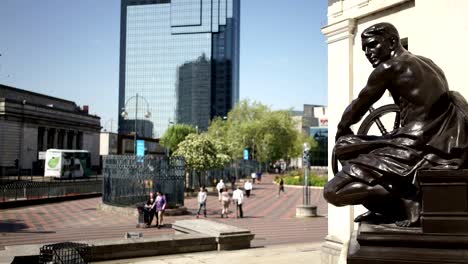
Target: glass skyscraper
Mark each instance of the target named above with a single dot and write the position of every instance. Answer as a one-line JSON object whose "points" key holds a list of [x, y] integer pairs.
{"points": [[182, 59]]}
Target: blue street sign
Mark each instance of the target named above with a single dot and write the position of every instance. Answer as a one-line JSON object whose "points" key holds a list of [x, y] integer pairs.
{"points": [[140, 148], [246, 154]]}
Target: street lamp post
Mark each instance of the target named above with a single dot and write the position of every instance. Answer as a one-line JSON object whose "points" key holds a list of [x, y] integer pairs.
{"points": [[306, 209], [125, 115], [306, 193], [168, 126]]}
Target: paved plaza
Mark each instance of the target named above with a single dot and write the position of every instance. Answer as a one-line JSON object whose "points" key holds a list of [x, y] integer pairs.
{"points": [[271, 218]]}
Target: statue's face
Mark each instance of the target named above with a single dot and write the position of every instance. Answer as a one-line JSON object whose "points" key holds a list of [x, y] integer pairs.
{"points": [[377, 49]]}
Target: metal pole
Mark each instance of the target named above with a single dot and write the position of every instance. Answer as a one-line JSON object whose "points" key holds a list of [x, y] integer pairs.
{"points": [[136, 116], [306, 193]]}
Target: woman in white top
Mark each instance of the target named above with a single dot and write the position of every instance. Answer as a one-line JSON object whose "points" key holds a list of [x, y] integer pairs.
{"points": [[248, 187], [202, 195], [220, 187]]}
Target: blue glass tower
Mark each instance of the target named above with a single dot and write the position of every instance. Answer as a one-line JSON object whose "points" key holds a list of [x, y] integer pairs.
{"points": [[182, 56]]}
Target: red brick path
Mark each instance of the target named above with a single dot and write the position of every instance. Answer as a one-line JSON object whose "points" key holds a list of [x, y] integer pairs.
{"points": [[269, 217]]}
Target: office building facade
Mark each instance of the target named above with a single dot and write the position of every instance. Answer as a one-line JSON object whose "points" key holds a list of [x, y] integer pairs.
{"points": [[182, 58]]}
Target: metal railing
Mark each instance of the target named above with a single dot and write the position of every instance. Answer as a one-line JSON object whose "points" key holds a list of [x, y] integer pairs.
{"points": [[50, 188], [240, 169], [128, 179], [65, 253]]}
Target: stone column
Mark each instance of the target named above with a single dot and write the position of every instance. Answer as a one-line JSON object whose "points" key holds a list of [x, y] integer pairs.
{"points": [[73, 135], [65, 139], [55, 138], [44, 139], [340, 39]]}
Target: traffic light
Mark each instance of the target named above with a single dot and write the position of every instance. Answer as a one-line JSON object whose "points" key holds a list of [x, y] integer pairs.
{"points": [[16, 163]]}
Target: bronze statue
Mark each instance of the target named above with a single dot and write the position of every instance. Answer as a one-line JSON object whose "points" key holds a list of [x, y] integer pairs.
{"points": [[380, 172]]}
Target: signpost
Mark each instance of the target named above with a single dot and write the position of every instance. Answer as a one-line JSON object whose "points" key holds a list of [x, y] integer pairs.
{"points": [[140, 151]]}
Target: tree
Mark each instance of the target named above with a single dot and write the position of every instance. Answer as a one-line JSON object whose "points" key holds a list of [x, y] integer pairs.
{"points": [[176, 134], [201, 154], [270, 135]]}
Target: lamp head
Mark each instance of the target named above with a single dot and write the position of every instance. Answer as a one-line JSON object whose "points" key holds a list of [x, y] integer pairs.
{"points": [[124, 114]]}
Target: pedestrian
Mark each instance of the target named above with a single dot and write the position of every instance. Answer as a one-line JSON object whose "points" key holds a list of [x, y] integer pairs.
{"points": [[281, 186], [233, 182], [225, 200], [254, 176], [259, 177], [220, 187], [160, 207], [202, 195], [248, 188], [238, 197], [149, 210]]}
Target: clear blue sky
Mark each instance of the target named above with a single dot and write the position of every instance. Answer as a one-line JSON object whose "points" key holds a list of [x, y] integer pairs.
{"points": [[70, 49]]}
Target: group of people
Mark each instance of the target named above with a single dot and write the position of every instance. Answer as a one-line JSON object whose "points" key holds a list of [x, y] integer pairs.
{"points": [[237, 198], [225, 198], [155, 206]]}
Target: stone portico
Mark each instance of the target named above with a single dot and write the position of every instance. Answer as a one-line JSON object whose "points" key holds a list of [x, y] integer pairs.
{"points": [[32, 122]]}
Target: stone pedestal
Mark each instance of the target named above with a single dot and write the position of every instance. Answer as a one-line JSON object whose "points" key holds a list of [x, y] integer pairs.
{"points": [[442, 237], [306, 210], [444, 201], [391, 244]]}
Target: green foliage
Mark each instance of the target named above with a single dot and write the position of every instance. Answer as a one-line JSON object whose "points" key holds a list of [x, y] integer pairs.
{"points": [[201, 153], [176, 134], [296, 177], [270, 135]]}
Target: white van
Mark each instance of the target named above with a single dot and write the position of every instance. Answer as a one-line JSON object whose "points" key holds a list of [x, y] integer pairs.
{"points": [[67, 163]]}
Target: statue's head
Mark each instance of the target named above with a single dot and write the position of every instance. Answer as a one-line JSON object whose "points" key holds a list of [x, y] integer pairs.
{"points": [[379, 42]]}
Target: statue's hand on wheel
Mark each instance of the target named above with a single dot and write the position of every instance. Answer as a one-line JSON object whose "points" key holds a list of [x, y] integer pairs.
{"points": [[344, 131]]}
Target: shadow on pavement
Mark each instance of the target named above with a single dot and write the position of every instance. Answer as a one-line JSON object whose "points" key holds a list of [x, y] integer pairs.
{"points": [[17, 226]]}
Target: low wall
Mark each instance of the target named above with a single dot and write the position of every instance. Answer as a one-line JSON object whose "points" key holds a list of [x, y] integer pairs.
{"points": [[144, 247], [112, 249]]}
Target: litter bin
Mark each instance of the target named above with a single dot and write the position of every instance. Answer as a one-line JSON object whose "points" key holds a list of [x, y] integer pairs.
{"points": [[141, 216]]}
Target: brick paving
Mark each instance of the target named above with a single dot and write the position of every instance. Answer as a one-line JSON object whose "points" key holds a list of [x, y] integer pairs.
{"points": [[271, 218]]}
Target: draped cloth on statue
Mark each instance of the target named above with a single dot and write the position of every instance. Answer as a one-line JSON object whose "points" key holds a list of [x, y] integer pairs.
{"points": [[440, 142]]}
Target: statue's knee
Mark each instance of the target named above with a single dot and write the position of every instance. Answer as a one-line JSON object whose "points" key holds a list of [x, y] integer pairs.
{"points": [[330, 194]]}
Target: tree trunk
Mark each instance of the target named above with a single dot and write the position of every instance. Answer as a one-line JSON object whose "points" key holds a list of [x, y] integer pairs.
{"points": [[199, 178]]}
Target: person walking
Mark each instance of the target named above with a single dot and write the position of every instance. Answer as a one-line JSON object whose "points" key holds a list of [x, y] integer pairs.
{"points": [[259, 177], [238, 197], [254, 176], [248, 188], [233, 182], [220, 187], [281, 186], [202, 195], [225, 200], [160, 207]]}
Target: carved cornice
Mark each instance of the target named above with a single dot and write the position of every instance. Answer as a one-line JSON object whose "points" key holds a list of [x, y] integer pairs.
{"points": [[344, 29]]}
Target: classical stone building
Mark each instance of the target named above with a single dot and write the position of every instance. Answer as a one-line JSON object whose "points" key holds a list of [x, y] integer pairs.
{"points": [[32, 122], [435, 29]]}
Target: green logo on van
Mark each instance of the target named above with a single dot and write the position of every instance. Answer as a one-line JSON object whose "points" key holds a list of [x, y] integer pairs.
{"points": [[53, 162]]}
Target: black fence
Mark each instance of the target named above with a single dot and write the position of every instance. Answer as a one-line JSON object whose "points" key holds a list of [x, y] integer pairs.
{"points": [[65, 253], [240, 169], [41, 188], [128, 180]]}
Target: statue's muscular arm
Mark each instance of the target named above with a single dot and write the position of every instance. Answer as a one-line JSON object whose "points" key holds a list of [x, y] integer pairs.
{"points": [[377, 83]]}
